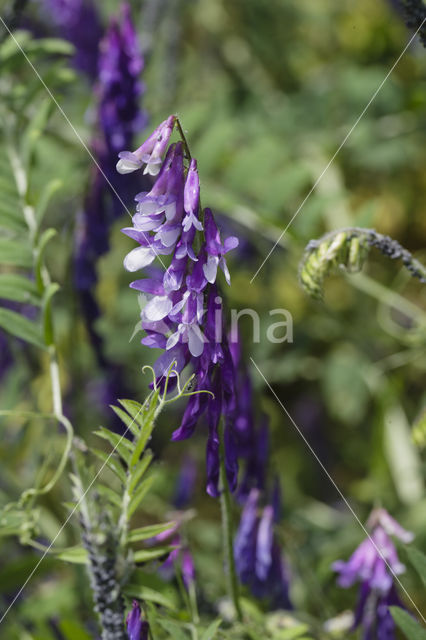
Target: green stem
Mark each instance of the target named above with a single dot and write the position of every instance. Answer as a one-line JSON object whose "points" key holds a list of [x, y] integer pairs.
{"points": [[227, 532]]}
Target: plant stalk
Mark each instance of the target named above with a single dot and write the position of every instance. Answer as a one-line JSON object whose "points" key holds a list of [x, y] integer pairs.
{"points": [[227, 532]]}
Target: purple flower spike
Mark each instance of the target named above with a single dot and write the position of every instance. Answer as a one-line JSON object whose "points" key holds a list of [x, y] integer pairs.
{"points": [[374, 564], [137, 628], [150, 152], [167, 221]]}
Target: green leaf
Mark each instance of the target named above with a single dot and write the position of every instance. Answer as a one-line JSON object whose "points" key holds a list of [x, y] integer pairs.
{"points": [[18, 288], [139, 495], [46, 195], [12, 218], [147, 555], [119, 443], [210, 632], [173, 628], [126, 419], [44, 240], [111, 462], [110, 494], [75, 555], [72, 630], [20, 327], [418, 560], [148, 415], [134, 409], [150, 595], [15, 253], [407, 624], [137, 472], [144, 533], [36, 127]]}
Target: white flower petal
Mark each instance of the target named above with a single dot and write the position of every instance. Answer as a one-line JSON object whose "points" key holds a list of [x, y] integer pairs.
{"points": [[157, 308], [195, 340], [125, 165], [139, 258], [210, 269]]}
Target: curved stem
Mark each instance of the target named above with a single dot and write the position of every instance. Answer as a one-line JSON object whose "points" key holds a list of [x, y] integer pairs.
{"points": [[227, 531]]}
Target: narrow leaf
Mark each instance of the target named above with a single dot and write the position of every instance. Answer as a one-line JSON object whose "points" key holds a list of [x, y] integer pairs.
{"points": [[18, 288], [138, 471], [46, 195], [126, 419], [210, 632], [407, 624], [146, 555], [144, 533], [418, 560], [20, 327], [139, 495], [15, 253], [110, 494], [112, 463], [150, 595], [119, 443], [76, 555]]}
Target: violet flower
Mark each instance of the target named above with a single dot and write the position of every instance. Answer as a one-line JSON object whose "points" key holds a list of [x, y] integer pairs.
{"points": [[183, 313], [137, 628], [374, 565], [79, 22], [118, 92], [258, 558]]}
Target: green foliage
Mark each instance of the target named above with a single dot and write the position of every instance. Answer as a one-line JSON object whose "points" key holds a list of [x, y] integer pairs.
{"points": [[410, 628], [418, 560], [347, 250]]}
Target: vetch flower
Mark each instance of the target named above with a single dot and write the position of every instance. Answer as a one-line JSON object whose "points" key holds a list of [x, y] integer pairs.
{"points": [[137, 628], [374, 565], [258, 558], [182, 315], [150, 152]]}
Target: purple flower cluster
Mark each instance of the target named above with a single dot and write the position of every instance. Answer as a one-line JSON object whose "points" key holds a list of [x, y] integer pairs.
{"points": [[79, 22], [183, 315], [374, 564], [118, 93], [258, 559], [137, 629]]}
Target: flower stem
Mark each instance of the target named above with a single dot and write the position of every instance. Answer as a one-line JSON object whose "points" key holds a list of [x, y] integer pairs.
{"points": [[227, 532]]}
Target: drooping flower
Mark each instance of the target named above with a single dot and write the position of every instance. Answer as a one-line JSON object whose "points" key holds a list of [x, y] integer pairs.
{"points": [[137, 628], [183, 314], [374, 565], [258, 557]]}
